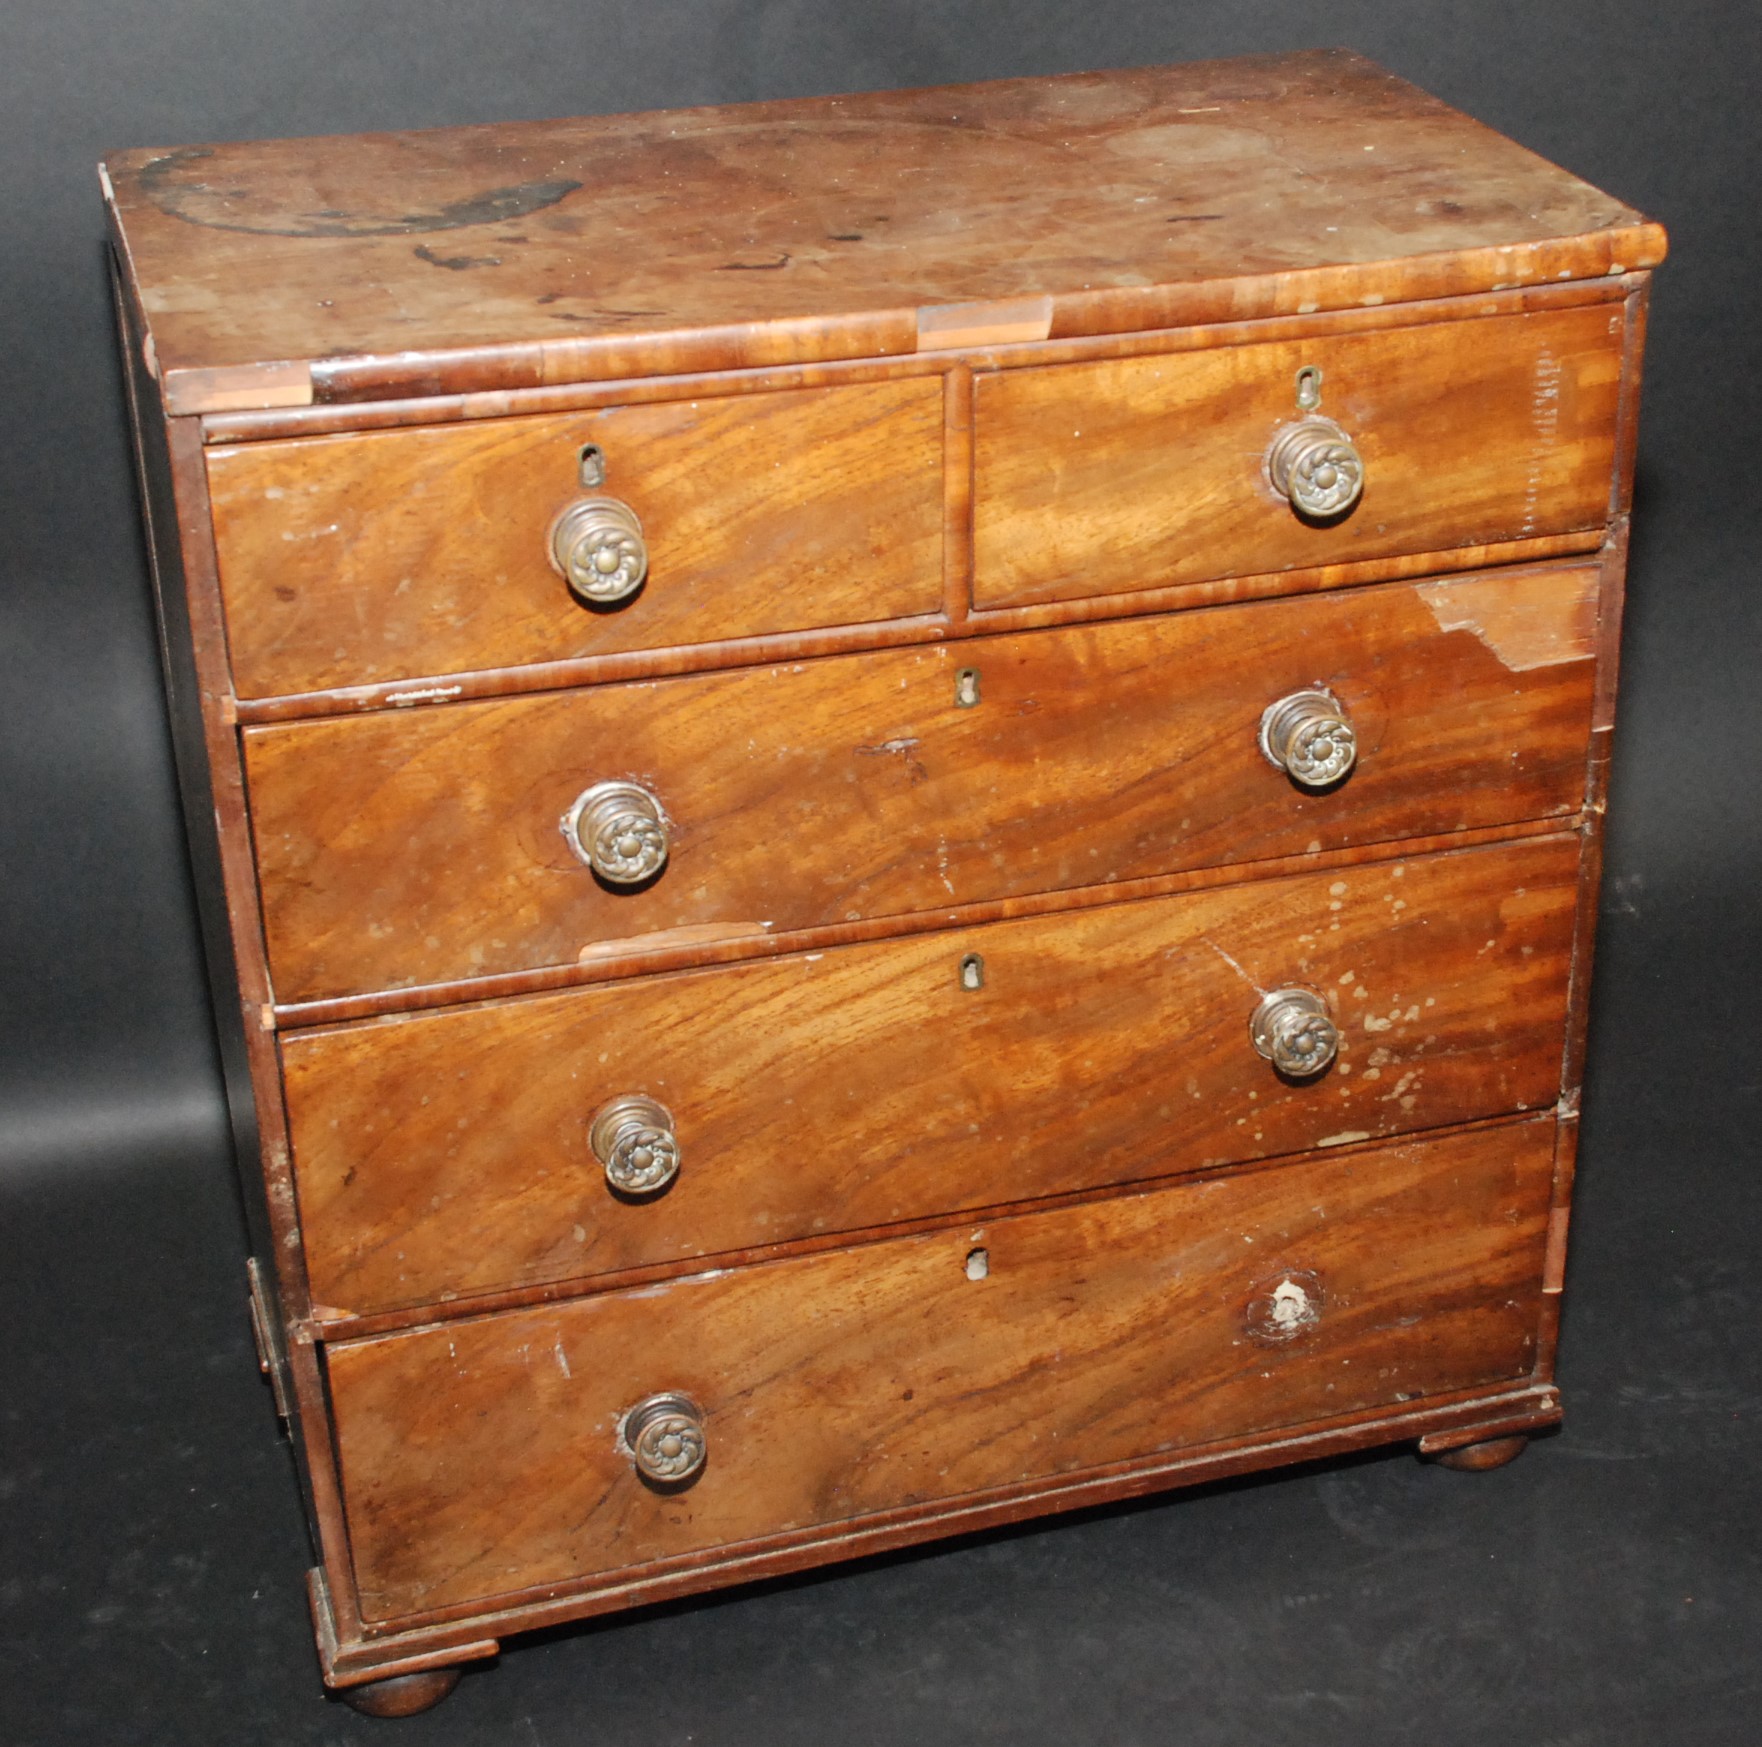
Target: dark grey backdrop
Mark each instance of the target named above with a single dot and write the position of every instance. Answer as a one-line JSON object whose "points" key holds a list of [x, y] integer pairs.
{"points": [[1601, 1591]]}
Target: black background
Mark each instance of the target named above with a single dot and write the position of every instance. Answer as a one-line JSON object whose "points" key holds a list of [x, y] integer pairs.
{"points": [[1601, 1591]]}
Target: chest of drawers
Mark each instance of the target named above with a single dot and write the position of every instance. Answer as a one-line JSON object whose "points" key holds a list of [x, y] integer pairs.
{"points": [[897, 800]]}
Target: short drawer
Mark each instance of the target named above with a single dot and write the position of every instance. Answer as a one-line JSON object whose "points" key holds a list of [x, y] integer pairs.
{"points": [[379, 556], [453, 1153], [424, 847], [487, 1457], [1138, 473]]}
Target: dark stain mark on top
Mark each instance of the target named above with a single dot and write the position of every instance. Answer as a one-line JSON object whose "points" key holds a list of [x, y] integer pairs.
{"points": [[755, 266], [607, 316], [457, 263], [844, 237], [171, 185], [1193, 217]]}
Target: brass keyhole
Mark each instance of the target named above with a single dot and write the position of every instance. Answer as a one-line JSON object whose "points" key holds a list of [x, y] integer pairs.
{"points": [[966, 688], [972, 971]]}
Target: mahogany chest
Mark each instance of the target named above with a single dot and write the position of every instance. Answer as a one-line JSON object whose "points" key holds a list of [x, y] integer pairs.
{"points": [[898, 802]]}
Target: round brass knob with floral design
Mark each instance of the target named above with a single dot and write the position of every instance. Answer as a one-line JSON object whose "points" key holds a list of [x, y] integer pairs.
{"points": [[619, 830], [1293, 1030], [665, 1437], [1308, 735], [1314, 465], [633, 1138], [597, 544]]}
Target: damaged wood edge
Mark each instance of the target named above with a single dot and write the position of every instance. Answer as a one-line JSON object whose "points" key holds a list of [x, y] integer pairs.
{"points": [[464, 406], [239, 921], [1595, 809], [945, 327], [254, 387], [332, 1326], [1627, 416], [876, 334], [1559, 1230], [1559, 1215], [329, 1519], [340, 1009], [344, 1667], [539, 363], [137, 337], [1611, 594], [266, 1332], [210, 775], [1604, 254], [1522, 1407], [957, 495], [1523, 629], [1545, 1411], [793, 646]]}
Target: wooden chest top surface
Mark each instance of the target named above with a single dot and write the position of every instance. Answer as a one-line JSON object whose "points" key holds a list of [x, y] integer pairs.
{"points": [[282, 272]]}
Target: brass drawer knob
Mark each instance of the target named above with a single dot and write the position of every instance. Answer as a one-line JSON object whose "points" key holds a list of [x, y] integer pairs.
{"points": [[665, 1434], [1293, 1030], [597, 543], [1308, 735], [633, 1138], [618, 829], [1314, 464]]}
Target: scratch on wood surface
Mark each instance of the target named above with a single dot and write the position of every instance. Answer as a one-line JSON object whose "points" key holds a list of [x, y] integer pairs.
{"points": [[694, 934], [1533, 619], [432, 694], [901, 749], [1234, 965]]}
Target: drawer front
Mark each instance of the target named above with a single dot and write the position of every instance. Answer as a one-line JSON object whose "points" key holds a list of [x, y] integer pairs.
{"points": [[390, 555], [449, 1153], [482, 1458], [1137, 473], [422, 847]]}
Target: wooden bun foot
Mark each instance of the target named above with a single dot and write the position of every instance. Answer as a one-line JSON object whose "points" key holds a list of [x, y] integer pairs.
{"points": [[1478, 1458], [403, 1695]]}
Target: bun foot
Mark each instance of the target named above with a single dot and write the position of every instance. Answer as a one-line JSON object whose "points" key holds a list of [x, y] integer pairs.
{"points": [[1478, 1458], [403, 1695]]}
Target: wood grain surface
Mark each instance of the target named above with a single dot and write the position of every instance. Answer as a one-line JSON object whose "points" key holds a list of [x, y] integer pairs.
{"points": [[351, 559], [481, 1458], [404, 849], [282, 272], [1136, 473], [447, 1154]]}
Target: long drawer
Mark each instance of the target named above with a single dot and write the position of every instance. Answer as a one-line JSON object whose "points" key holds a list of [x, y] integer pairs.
{"points": [[488, 1457], [1133, 473], [425, 847], [451, 1153]]}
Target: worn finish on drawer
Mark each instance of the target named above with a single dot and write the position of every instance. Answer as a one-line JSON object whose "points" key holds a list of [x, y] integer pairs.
{"points": [[481, 1458], [406, 849], [370, 557], [1103, 478], [448, 1153]]}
